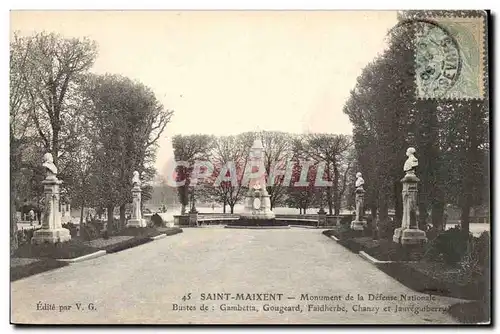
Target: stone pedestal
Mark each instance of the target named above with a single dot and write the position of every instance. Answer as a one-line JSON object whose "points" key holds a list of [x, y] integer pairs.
{"points": [[136, 220], [359, 225], [257, 205], [193, 218], [51, 231], [321, 217], [409, 233]]}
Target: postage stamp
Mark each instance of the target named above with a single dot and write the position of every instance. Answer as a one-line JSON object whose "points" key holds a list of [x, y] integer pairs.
{"points": [[450, 58], [249, 167]]}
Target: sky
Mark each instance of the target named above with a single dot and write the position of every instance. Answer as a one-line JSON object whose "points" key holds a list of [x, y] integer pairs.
{"points": [[227, 72]]}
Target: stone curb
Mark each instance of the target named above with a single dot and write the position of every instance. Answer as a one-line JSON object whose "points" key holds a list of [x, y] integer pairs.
{"points": [[161, 236], [334, 238], [103, 252], [85, 257], [303, 226], [370, 258]]}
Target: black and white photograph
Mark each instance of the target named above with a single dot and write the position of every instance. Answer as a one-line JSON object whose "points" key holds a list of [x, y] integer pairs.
{"points": [[249, 167]]}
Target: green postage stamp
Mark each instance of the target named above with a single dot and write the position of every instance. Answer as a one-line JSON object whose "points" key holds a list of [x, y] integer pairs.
{"points": [[450, 57]]}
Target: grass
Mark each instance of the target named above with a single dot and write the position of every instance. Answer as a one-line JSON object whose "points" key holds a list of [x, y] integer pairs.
{"points": [[67, 250], [471, 312], [411, 269], [140, 232], [381, 249], [33, 268]]}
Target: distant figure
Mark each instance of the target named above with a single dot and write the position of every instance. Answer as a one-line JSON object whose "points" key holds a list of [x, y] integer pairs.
{"points": [[213, 207], [163, 208], [31, 216]]}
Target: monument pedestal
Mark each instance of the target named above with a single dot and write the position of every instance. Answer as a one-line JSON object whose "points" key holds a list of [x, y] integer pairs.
{"points": [[136, 223], [136, 220], [51, 231], [408, 233], [193, 218], [51, 236], [409, 236], [359, 225]]}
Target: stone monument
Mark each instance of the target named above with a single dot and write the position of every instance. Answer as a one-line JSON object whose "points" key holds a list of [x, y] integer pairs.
{"points": [[359, 224], [51, 231], [136, 218], [408, 233], [257, 202]]}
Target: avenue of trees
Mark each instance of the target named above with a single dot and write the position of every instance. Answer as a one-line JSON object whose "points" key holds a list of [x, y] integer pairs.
{"points": [[450, 137], [225, 185], [99, 128]]}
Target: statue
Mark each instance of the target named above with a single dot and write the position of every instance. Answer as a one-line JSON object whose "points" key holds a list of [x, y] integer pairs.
{"points": [[52, 231], [136, 180], [48, 163], [136, 218], [359, 180], [411, 162], [409, 233], [359, 196]]}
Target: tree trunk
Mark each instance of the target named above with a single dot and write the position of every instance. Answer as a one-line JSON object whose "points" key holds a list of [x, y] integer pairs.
{"points": [[82, 208], [329, 200], [232, 208], [336, 195], [384, 224], [110, 208], [464, 216], [437, 216], [183, 209], [305, 210], [300, 211], [375, 228], [398, 201], [224, 207], [55, 141], [122, 216]]}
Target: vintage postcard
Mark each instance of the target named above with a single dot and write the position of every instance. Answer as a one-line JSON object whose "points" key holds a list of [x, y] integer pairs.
{"points": [[250, 167]]}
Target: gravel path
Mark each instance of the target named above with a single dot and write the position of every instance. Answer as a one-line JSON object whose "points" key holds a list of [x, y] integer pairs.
{"points": [[144, 284]]}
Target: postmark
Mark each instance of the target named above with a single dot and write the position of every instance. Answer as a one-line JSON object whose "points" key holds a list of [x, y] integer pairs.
{"points": [[449, 58]]}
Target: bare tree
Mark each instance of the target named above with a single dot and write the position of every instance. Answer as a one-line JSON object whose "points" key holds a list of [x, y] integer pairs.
{"points": [[54, 66], [329, 149], [277, 152]]}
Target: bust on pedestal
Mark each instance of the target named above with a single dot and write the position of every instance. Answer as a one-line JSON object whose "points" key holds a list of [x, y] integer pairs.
{"points": [[51, 231], [359, 224], [136, 218], [408, 233]]}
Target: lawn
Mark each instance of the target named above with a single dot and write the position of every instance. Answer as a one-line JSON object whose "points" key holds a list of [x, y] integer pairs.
{"points": [[412, 268]]}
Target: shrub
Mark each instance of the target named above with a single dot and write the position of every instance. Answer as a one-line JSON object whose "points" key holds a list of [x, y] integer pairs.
{"points": [[449, 246], [89, 232], [475, 262], [72, 229], [386, 228], [157, 220]]}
